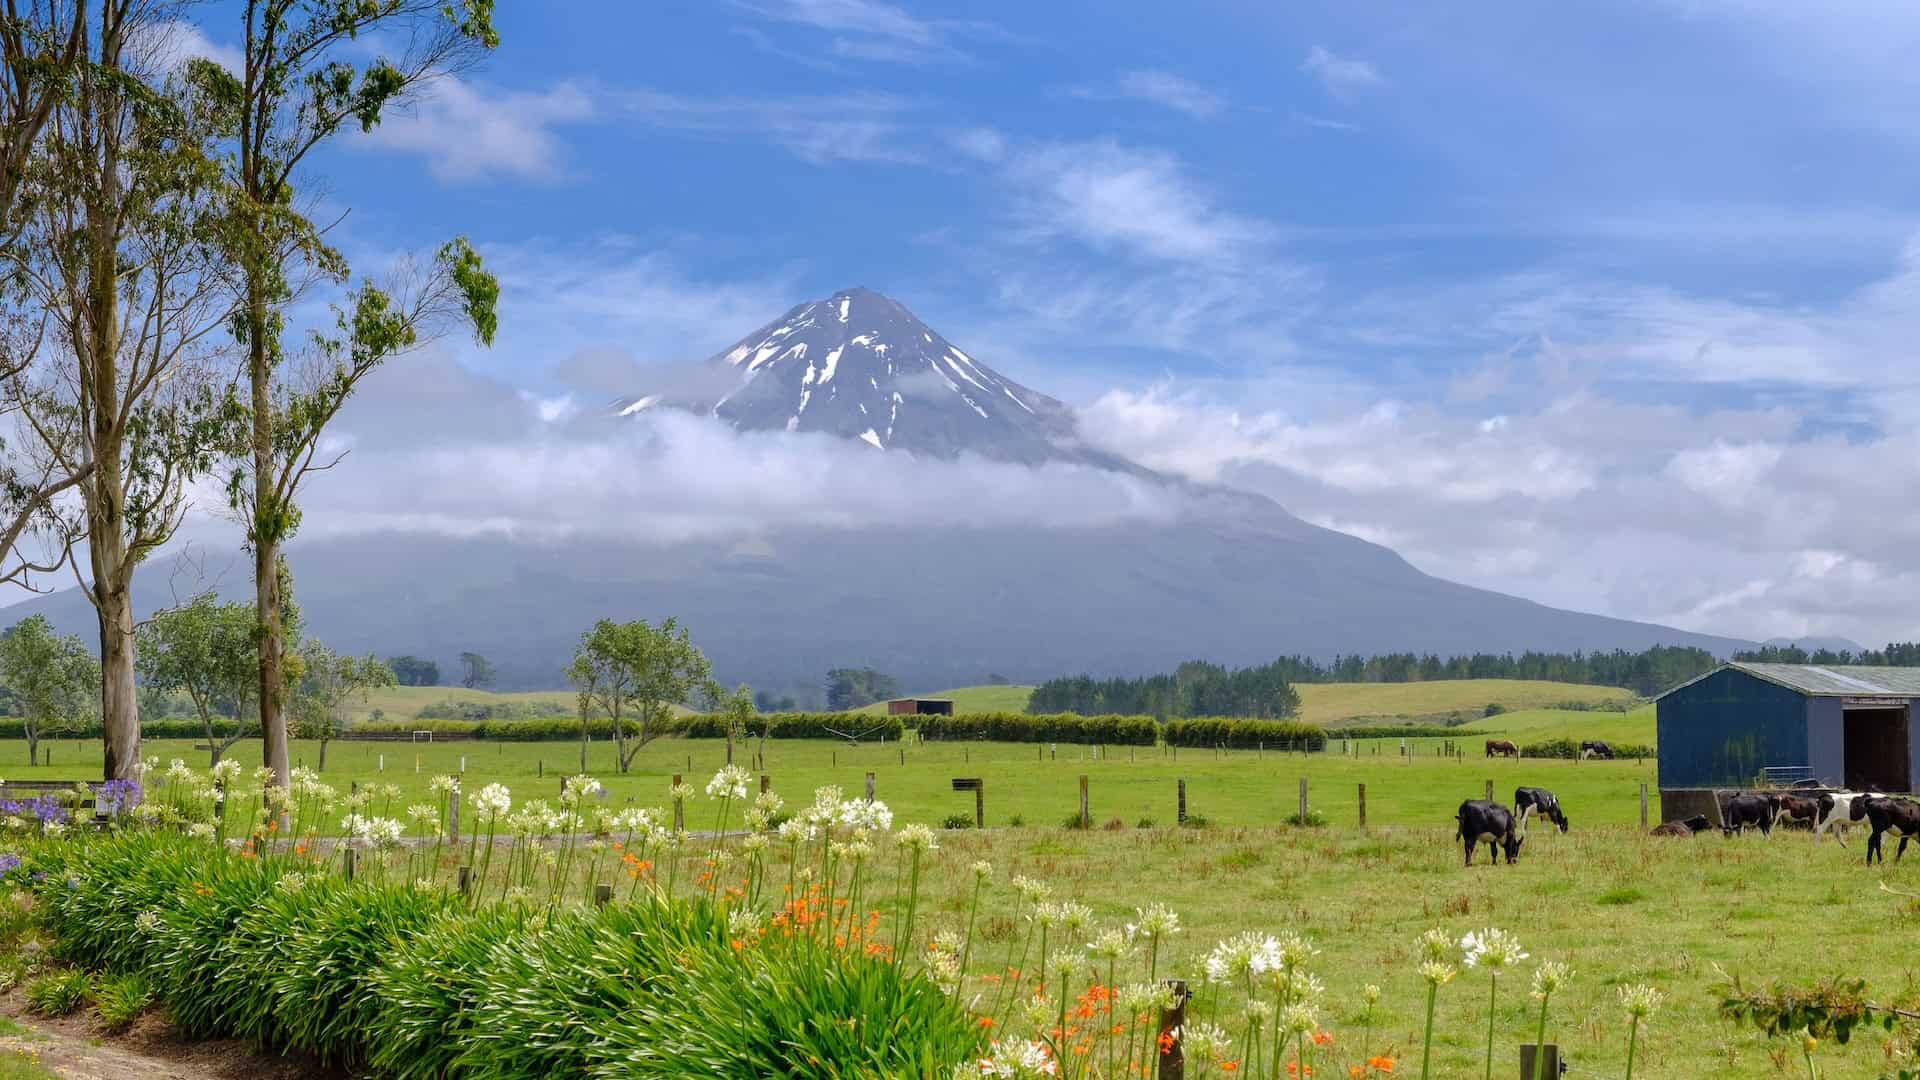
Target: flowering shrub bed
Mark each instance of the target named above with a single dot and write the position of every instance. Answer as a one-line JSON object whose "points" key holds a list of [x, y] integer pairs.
{"points": [[743, 950]]}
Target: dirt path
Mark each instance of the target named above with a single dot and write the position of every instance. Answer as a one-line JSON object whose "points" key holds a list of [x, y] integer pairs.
{"points": [[75, 1047]]}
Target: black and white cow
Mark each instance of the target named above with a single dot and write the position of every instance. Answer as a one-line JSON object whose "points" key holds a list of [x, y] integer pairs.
{"points": [[1755, 808], [1528, 800], [1887, 815], [1595, 748], [1836, 814], [1483, 821]]}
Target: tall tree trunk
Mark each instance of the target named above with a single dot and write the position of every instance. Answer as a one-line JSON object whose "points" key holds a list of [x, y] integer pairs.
{"points": [[323, 755], [33, 748], [120, 697], [269, 525]]}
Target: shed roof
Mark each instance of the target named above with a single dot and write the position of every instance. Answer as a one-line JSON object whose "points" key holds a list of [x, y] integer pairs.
{"points": [[1830, 680]]}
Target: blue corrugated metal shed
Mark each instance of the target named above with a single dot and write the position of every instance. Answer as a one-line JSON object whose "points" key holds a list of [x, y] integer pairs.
{"points": [[1845, 725]]}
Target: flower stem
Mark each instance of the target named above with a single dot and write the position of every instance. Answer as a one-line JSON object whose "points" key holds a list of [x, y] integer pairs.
{"points": [[1426, 1046], [1633, 1037], [1493, 989], [1540, 1042]]}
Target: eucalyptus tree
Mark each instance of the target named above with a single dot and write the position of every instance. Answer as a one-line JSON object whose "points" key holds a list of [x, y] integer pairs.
{"points": [[118, 264], [42, 43], [309, 69]]}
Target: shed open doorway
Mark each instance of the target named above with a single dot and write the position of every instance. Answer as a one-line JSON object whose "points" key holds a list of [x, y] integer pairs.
{"points": [[1875, 745]]}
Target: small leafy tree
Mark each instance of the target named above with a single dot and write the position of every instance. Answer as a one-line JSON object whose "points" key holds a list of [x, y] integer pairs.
{"points": [[475, 671], [325, 681], [413, 671], [205, 650], [636, 672], [736, 711], [53, 679]]}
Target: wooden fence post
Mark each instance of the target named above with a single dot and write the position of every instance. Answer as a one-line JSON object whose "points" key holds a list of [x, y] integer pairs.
{"points": [[765, 783], [1183, 801], [980, 805], [1086, 822], [453, 814], [540, 768], [679, 808], [465, 878], [903, 753], [350, 859], [1363, 806], [1173, 1060], [1303, 800], [1643, 804], [869, 787], [602, 894], [1489, 791]]}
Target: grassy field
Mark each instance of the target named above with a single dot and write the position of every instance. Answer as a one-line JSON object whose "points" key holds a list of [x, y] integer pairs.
{"points": [[1619, 906], [970, 699], [402, 702]]}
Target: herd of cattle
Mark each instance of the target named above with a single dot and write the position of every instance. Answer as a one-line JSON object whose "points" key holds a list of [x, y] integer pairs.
{"points": [[1483, 821]]}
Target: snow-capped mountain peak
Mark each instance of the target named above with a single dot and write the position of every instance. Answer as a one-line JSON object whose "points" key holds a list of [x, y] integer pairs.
{"points": [[860, 366]]}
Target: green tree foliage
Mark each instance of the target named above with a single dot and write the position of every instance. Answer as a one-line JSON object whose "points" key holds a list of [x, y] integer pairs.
{"points": [[1198, 688], [309, 69], [205, 651], [635, 673], [323, 681], [413, 671], [52, 679], [1896, 654], [475, 671], [851, 688]]}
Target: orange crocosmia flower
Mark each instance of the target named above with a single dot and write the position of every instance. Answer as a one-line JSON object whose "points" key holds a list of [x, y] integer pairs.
{"points": [[1166, 1042], [1323, 1038], [985, 1021], [1229, 1065], [1294, 1068], [1356, 1072], [1380, 1062]]}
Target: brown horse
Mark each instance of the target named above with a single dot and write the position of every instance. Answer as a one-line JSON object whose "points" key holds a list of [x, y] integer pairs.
{"points": [[1501, 748]]}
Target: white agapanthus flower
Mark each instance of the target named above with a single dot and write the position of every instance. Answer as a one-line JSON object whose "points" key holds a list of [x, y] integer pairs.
{"points": [[680, 792], [443, 784], [226, 772], [1640, 1001], [1021, 1057], [1493, 948], [1548, 977], [1110, 943], [421, 814], [200, 830], [1298, 1019], [494, 800], [873, 816], [982, 872], [1031, 890], [769, 803], [916, 838], [1205, 1043], [1156, 921], [794, 831], [729, 783], [148, 922], [1233, 959]]}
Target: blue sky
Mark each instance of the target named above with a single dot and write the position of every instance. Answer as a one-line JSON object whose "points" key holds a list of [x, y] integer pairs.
{"points": [[1605, 304]]}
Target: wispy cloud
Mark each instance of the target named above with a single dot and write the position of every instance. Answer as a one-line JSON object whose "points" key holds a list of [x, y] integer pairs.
{"points": [[868, 30], [840, 127], [470, 131], [1343, 78], [1162, 88]]}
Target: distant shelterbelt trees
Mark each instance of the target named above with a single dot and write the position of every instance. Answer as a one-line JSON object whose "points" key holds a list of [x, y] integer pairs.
{"points": [[1198, 688], [1896, 654]]}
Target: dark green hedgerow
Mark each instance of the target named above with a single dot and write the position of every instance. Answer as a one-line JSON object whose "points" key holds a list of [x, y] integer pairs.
{"points": [[402, 981], [1244, 734]]}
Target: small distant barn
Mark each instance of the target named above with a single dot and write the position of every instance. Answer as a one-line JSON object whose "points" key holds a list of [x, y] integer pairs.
{"points": [[1745, 724], [920, 706]]}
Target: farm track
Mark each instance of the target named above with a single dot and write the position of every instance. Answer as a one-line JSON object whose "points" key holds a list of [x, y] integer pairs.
{"points": [[77, 1048]]}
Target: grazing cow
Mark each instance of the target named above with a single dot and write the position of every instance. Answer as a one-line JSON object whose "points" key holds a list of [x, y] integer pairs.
{"points": [[1483, 821], [1836, 814], [1750, 808], [1501, 748], [1884, 814], [1526, 800], [1797, 808], [1684, 827], [1595, 748]]}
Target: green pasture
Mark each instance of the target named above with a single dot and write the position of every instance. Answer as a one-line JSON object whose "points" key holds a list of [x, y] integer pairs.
{"points": [[1035, 782], [969, 699]]}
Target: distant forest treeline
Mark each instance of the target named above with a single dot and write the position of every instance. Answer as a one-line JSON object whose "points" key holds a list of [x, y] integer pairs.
{"points": [[1202, 689], [1897, 654]]}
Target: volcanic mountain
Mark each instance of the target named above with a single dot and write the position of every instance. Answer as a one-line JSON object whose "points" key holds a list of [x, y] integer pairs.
{"points": [[1226, 575], [861, 366]]}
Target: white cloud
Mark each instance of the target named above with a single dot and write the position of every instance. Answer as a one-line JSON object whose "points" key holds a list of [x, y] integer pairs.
{"points": [[1163, 88], [469, 131], [1126, 200], [841, 127], [868, 30], [176, 41], [1343, 78]]}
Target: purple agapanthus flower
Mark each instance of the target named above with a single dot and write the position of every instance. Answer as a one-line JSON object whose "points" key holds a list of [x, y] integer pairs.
{"points": [[116, 797], [45, 808], [9, 862]]}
